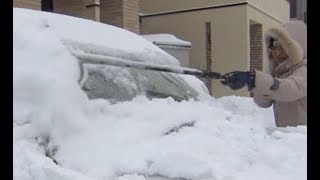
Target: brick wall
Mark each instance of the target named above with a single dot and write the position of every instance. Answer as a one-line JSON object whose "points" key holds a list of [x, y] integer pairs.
{"points": [[208, 53], [131, 10], [111, 12], [29, 4], [256, 47], [121, 13], [88, 9]]}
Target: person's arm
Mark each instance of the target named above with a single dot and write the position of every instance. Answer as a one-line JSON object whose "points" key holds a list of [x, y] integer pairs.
{"points": [[263, 101], [288, 89]]}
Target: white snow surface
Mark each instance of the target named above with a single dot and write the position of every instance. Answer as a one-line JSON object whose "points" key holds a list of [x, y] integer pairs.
{"points": [[232, 139], [165, 39]]}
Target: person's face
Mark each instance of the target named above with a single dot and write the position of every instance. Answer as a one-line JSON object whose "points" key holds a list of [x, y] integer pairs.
{"points": [[277, 52]]}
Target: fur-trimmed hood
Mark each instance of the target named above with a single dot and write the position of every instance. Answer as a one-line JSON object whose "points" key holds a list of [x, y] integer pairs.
{"points": [[293, 38]]}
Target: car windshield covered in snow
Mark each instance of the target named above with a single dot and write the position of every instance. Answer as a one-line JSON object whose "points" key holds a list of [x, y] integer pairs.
{"points": [[121, 84]]}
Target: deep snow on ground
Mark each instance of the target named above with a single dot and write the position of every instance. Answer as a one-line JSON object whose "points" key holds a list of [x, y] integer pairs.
{"points": [[231, 138]]}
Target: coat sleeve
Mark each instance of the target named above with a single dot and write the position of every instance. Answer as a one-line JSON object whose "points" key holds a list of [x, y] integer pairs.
{"points": [[263, 101], [290, 89]]}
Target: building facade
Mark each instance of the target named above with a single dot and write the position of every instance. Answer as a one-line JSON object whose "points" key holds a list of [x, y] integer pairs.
{"points": [[298, 10], [226, 35], [121, 13]]}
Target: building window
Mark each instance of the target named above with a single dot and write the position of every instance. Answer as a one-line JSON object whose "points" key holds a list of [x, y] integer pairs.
{"points": [[47, 5], [293, 8]]}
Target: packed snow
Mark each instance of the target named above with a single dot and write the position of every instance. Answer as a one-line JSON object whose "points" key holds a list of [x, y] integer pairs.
{"points": [[59, 134]]}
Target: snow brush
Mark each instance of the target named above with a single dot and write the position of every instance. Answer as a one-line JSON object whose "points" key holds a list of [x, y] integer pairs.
{"points": [[86, 58]]}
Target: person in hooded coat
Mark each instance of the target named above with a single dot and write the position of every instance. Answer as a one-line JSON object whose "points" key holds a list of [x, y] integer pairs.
{"points": [[285, 86]]}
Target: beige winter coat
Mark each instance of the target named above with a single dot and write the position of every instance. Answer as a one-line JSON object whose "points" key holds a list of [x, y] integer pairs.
{"points": [[289, 100]]}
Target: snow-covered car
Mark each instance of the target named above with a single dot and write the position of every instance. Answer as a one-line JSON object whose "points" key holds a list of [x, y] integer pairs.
{"points": [[118, 83], [61, 132]]}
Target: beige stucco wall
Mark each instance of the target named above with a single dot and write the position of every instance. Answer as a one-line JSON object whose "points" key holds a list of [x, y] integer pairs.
{"points": [[229, 40], [278, 9], [156, 6], [230, 30]]}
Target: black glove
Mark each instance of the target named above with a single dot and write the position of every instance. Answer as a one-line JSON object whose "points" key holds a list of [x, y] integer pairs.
{"points": [[238, 79]]}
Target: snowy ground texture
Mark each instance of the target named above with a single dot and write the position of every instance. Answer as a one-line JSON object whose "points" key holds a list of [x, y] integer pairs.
{"points": [[59, 134]]}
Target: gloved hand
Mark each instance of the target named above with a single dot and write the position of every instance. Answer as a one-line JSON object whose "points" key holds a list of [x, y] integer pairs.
{"points": [[238, 79]]}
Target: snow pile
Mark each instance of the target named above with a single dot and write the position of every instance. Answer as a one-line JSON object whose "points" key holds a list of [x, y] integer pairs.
{"points": [[61, 135], [166, 39]]}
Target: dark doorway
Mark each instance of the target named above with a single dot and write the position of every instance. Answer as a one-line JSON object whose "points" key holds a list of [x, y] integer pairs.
{"points": [[293, 8], [47, 5]]}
